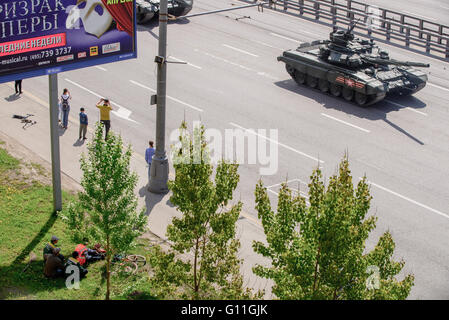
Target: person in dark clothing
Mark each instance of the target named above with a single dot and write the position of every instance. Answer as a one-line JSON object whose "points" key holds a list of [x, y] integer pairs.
{"points": [[73, 262], [18, 86], [83, 124], [54, 266], [50, 246]]}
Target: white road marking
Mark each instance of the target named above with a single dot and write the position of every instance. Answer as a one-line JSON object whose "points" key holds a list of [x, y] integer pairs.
{"points": [[408, 108], [437, 86], [122, 112], [283, 37], [277, 142], [444, 7], [344, 122], [408, 199], [168, 97], [305, 196], [101, 68], [240, 50], [278, 184], [267, 45], [263, 74], [418, 15], [188, 63]]}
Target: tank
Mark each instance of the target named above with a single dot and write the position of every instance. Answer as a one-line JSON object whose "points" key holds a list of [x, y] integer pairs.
{"points": [[148, 9], [354, 69]]}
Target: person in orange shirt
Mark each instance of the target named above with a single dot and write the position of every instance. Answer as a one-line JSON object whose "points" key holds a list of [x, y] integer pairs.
{"points": [[105, 118]]}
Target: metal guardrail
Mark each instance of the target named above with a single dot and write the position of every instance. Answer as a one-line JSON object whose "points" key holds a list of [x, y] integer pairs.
{"points": [[406, 30]]}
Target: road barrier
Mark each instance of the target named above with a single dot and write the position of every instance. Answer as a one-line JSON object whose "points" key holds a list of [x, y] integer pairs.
{"points": [[397, 28]]}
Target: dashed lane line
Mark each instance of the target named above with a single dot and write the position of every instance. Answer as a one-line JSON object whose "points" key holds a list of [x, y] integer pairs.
{"points": [[276, 142], [241, 51], [188, 63], [437, 86], [168, 97], [284, 37], [408, 108], [408, 199], [346, 123]]}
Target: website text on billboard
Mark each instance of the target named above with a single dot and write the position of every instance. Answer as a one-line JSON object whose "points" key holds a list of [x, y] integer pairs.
{"points": [[38, 37]]}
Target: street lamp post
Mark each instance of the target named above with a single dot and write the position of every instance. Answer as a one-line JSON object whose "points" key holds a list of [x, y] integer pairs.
{"points": [[54, 134], [159, 164]]}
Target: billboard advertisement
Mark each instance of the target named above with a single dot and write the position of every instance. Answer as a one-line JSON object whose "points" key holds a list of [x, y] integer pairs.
{"points": [[39, 37]]}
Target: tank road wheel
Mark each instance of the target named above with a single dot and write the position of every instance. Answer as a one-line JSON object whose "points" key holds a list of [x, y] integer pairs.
{"points": [[335, 89], [348, 93], [312, 81], [323, 85], [300, 77], [360, 98], [290, 70]]}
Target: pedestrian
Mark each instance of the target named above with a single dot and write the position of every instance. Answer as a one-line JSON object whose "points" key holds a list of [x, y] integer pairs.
{"points": [[65, 107], [60, 113], [18, 86], [105, 117], [83, 124], [149, 153]]}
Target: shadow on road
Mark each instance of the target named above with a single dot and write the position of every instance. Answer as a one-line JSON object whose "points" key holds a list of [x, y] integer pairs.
{"points": [[377, 111], [154, 23], [151, 199], [78, 143], [12, 97]]}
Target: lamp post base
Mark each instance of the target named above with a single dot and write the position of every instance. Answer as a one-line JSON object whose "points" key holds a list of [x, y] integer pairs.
{"points": [[158, 175]]}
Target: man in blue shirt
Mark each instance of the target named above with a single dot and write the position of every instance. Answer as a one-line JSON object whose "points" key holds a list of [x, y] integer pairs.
{"points": [[83, 124], [149, 153]]}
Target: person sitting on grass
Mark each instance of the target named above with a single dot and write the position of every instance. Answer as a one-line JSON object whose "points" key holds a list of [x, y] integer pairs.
{"points": [[86, 255], [73, 262], [50, 246], [54, 265]]}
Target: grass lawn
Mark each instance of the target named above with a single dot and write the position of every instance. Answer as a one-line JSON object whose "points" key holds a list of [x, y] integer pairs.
{"points": [[27, 224]]}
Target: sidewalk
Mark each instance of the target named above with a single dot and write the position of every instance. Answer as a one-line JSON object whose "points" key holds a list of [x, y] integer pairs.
{"points": [[160, 211]]}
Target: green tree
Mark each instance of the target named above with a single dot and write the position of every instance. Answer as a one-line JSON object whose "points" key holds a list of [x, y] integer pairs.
{"points": [[205, 234], [317, 250], [106, 210]]}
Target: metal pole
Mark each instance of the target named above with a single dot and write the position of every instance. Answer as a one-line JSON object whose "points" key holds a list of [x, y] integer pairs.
{"points": [[54, 134], [159, 164]]}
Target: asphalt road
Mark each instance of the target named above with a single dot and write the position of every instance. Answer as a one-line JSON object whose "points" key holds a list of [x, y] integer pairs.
{"points": [[232, 80]]}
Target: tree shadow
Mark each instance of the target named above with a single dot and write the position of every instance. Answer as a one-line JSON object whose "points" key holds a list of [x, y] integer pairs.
{"points": [[36, 240], [375, 112], [151, 199], [13, 97]]}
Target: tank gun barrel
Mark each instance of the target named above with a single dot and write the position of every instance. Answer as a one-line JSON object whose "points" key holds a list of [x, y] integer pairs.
{"points": [[396, 62], [352, 26]]}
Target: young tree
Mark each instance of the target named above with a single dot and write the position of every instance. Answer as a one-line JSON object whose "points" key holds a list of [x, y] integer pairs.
{"points": [[106, 210], [206, 229], [317, 251]]}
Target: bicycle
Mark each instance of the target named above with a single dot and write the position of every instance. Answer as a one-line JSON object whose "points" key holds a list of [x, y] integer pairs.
{"points": [[129, 263], [25, 120]]}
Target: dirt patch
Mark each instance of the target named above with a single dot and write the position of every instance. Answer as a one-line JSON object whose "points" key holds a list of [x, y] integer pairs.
{"points": [[33, 169], [15, 293]]}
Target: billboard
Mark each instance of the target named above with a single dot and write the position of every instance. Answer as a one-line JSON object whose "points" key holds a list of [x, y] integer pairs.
{"points": [[39, 37]]}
